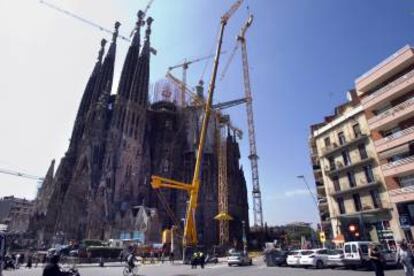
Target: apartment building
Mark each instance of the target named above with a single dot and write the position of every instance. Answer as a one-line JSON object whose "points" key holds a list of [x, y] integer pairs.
{"points": [[387, 97], [15, 213], [352, 181], [323, 208]]}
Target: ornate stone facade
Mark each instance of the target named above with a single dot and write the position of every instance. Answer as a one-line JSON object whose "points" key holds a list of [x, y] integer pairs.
{"points": [[118, 142]]}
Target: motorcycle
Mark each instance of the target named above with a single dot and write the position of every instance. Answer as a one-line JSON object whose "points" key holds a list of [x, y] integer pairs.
{"points": [[211, 259]]}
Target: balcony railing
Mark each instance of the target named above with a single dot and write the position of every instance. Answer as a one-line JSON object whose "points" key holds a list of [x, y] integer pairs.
{"points": [[398, 163], [334, 147], [402, 191], [395, 136], [340, 167], [392, 111], [389, 86], [362, 186]]}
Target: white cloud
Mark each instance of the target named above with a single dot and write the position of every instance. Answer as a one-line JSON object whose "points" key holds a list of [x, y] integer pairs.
{"points": [[289, 194]]}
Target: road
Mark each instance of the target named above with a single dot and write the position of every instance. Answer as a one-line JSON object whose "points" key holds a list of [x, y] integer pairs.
{"points": [[258, 269]]}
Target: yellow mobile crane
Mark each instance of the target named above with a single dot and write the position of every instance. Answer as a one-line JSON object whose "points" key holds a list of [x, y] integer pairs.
{"points": [[190, 232]]}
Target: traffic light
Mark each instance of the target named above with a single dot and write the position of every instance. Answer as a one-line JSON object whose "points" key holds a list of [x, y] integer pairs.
{"points": [[322, 237], [354, 229]]}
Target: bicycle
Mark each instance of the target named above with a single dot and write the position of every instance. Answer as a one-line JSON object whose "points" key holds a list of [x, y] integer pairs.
{"points": [[130, 272]]}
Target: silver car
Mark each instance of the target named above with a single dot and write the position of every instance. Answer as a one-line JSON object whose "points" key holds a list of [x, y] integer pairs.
{"points": [[239, 258], [335, 258]]}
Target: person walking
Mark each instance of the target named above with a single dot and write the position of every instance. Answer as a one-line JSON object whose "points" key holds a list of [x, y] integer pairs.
{"points": [[405, 257], [194, 260], [201, 258], [29, 260], [375, 257]]}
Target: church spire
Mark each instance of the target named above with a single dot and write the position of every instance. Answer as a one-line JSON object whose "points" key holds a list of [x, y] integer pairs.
{"points": [[103, 84], [84, 106], [139, 89], [131, 59]]}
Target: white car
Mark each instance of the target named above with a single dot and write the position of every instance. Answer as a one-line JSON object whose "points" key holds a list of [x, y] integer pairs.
{"points": [[293, 258], [314, 258], [336, 258], [239, 258]]}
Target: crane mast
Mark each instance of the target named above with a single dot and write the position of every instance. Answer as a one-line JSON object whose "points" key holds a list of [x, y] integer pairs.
{"points": [[257, 197]]}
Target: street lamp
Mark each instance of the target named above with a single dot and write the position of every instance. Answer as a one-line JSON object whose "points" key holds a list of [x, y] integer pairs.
{"points": [[314, 200], [310, 191]]}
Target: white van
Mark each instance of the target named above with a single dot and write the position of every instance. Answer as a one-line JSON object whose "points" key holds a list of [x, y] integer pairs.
{"points": [[356, 254]]}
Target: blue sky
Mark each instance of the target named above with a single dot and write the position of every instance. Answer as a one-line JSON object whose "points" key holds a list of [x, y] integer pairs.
{"points": [[303, 56]]}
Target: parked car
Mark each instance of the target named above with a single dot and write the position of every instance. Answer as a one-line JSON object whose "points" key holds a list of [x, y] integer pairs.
{"points": [[239, 258], [275, 257], [335, 258], [293, 258], [314, 258]]}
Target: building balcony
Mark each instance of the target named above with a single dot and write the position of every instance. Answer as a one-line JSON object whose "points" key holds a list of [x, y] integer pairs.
{"points": [[387, 68], [400, 167], [390, 91], [399, 138], [333, 148], [323, 203], [340, 168], [395, 114], [357, 188], [402, 194], [369, 214]]}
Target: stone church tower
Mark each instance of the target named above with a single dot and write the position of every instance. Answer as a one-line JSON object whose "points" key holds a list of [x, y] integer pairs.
{"points": [[119, 141]]}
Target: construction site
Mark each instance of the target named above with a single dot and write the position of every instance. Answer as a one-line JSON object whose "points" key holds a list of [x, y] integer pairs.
{"points": [[155, 163]]}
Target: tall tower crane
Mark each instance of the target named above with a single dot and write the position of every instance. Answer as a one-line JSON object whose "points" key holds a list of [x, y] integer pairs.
{"points": [[190, 231], [185, 65], [257, 197]]}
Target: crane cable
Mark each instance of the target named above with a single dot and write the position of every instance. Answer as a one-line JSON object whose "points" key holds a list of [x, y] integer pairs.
{"points": [[84, 20]]}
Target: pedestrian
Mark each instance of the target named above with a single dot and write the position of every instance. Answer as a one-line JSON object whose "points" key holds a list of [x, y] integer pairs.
{"points": [[375, 257], [29, 260], [405, 257], [194, 260], [201, 259], [171, 257]]}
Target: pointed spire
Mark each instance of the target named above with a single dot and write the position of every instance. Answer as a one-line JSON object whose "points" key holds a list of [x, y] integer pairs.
{"points": [[140, 22], [147, 48], [112, 48], [104, 83], [51, 170], [131, 59], [85, 104], [139, 89]]}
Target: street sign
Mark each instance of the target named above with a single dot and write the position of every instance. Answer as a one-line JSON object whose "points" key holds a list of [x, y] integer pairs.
{"points": [[322, 237]]}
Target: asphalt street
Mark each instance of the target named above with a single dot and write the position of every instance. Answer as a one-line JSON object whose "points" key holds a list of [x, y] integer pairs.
{"points": [[211, 270]]}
